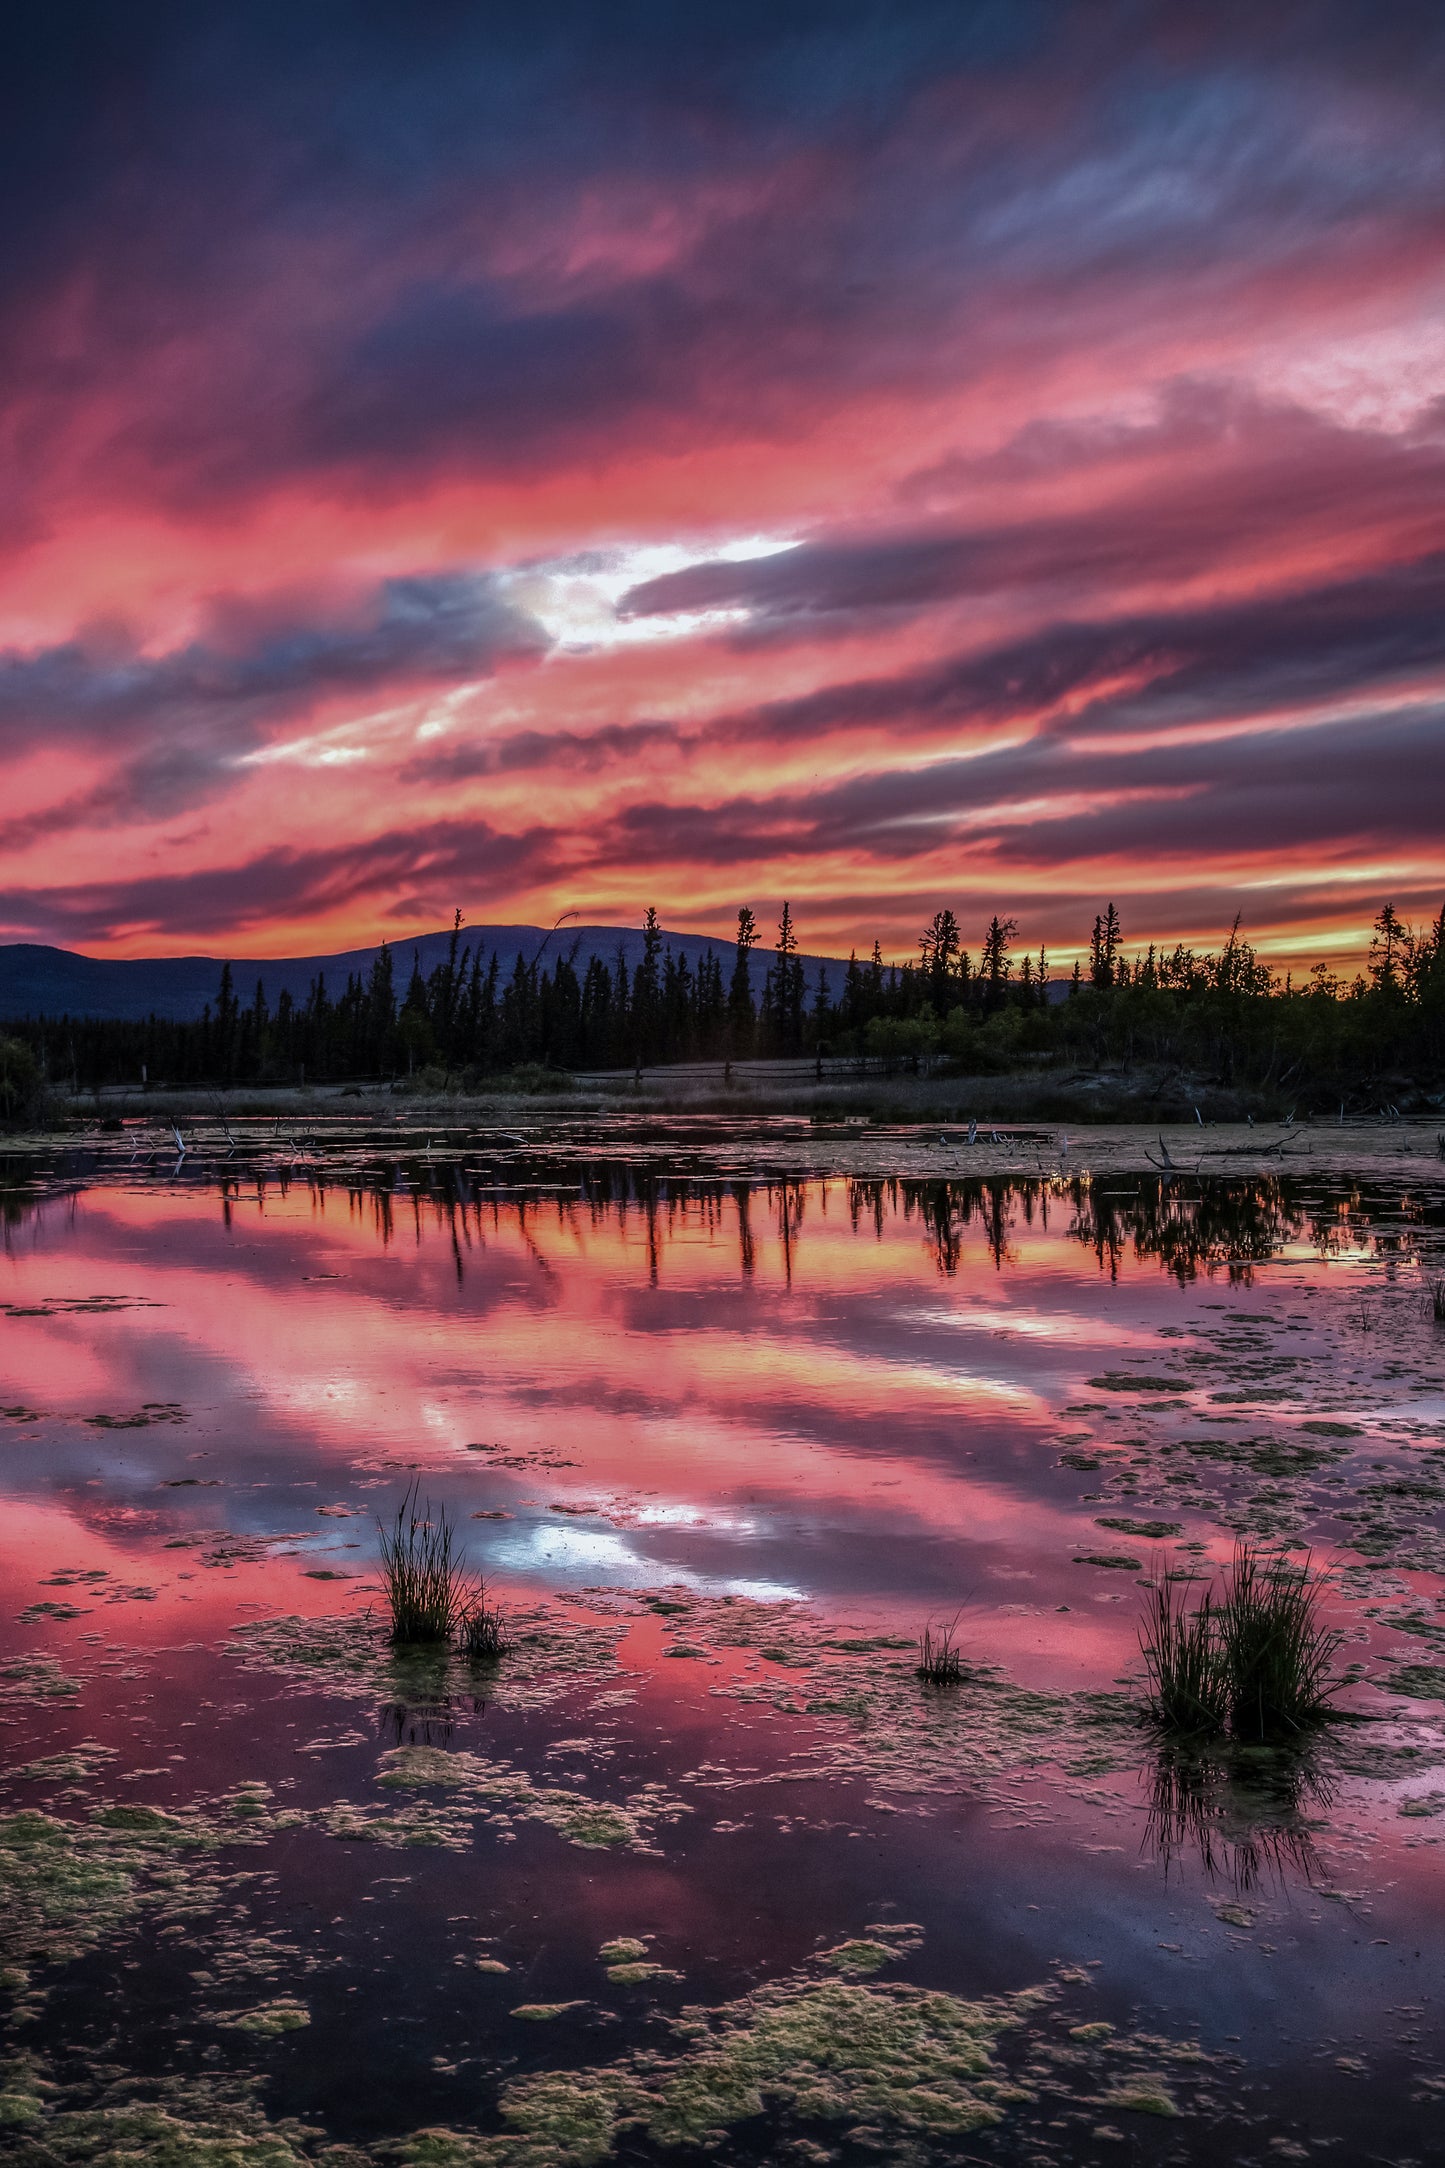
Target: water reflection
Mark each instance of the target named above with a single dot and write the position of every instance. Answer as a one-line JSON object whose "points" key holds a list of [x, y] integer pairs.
{"points": [[1239, 1810], [623, 1373], [1188, 1226]]}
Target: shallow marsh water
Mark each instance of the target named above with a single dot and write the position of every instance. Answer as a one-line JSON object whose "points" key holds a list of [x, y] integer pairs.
{"points": [[701, 1869]]}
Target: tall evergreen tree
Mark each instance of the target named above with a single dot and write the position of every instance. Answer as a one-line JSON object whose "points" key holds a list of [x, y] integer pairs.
{"points": [[939, 949], [647, 992], [788, 987], [1389, 950], [1104, 948], [740, 992], [381, 1010], [993, 963]]}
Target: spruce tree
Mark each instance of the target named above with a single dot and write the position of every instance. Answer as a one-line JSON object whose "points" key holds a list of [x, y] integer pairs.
{"points": [[741, 1022]]}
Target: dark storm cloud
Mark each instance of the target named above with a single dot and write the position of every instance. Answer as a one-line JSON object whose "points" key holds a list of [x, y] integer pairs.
{"points": [[174, 173], [1255, 479], [449, 858], [180, 717], [1198, 665], [509, 752], [1321, 788], [1181, 669], [292, 211]]}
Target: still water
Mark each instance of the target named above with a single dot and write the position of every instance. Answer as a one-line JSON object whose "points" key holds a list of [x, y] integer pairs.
{"points": [[701, 1864]]}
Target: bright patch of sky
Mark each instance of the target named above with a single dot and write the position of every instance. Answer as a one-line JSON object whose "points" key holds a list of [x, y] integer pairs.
{"points": [[575, 598]]}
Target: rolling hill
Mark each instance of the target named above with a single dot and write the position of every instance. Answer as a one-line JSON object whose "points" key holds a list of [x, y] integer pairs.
{"points": [[54, 982]]}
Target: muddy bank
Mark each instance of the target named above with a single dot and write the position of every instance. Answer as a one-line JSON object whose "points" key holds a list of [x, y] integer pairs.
{"points": [[526, 1134]]}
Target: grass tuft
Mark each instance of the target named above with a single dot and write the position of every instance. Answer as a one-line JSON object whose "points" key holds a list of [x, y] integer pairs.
{"points": [[1277, 1655], [1256, 1659], [940, 1660], [482, 1628], [424, 1572], [1181, 1654]]}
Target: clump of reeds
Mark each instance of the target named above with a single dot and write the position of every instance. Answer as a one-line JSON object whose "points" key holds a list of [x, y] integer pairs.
{"points": [[482, 1628], [424, 1572], [1181, 1654], [1437, 1300], [1256, 1659], [1276, 1653], [940, 1660]]}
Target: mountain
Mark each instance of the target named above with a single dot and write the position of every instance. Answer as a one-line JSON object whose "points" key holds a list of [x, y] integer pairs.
{"points": [[38, 981]]}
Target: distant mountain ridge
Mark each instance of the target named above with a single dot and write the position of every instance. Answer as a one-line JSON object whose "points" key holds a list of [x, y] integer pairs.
{"points": [[38, 981]]}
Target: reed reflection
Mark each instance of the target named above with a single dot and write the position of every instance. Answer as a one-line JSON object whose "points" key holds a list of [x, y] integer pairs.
{"points": [[1241, 1811]]}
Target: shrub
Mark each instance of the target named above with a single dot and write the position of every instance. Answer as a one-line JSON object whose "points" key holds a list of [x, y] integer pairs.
{"points": [[22, 1087]]}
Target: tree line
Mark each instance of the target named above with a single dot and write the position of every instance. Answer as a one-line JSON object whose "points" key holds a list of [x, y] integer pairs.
{"points": [[946, 1008]]}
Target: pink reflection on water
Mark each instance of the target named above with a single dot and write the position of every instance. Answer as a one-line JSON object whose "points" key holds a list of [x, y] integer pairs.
{"points": [[803, 1390]]}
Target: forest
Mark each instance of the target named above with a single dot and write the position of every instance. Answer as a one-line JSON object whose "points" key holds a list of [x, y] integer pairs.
{"points": [[1220, 1013]]}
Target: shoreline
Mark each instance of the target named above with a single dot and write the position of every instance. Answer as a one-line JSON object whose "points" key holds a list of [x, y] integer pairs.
{"points": [[522, 1133]]}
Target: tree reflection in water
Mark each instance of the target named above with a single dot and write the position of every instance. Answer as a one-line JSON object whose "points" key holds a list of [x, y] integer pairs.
{"points": [[1188, 1224]]}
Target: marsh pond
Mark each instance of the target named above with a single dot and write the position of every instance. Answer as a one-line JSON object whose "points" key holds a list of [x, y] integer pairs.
{"points": [[700, 1868]]}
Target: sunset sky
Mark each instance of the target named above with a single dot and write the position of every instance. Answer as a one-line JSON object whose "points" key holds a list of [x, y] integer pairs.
{"points": [[592, 456]]}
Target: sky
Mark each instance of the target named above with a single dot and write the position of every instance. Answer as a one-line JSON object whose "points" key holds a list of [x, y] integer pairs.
{"points": [[576, 458]]}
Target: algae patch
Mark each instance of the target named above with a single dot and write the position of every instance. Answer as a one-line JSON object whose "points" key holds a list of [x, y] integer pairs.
{"points": [[210, 2135], [555, 1653], [498, 1791], [60, 1893], [859, 1956], [270, 2019], [36, 1678]]}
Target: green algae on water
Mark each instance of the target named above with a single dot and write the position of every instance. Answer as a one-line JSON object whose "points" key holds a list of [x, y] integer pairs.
{"points": [[498, 1790], [36, 1678], [1421, 1682], [909, 2072], [1156, 1529], [556, 1652], [858, 1956], [209, 2135], [60, 1894], [1141, 2098], [270, 2019], [1123, 1381]]}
